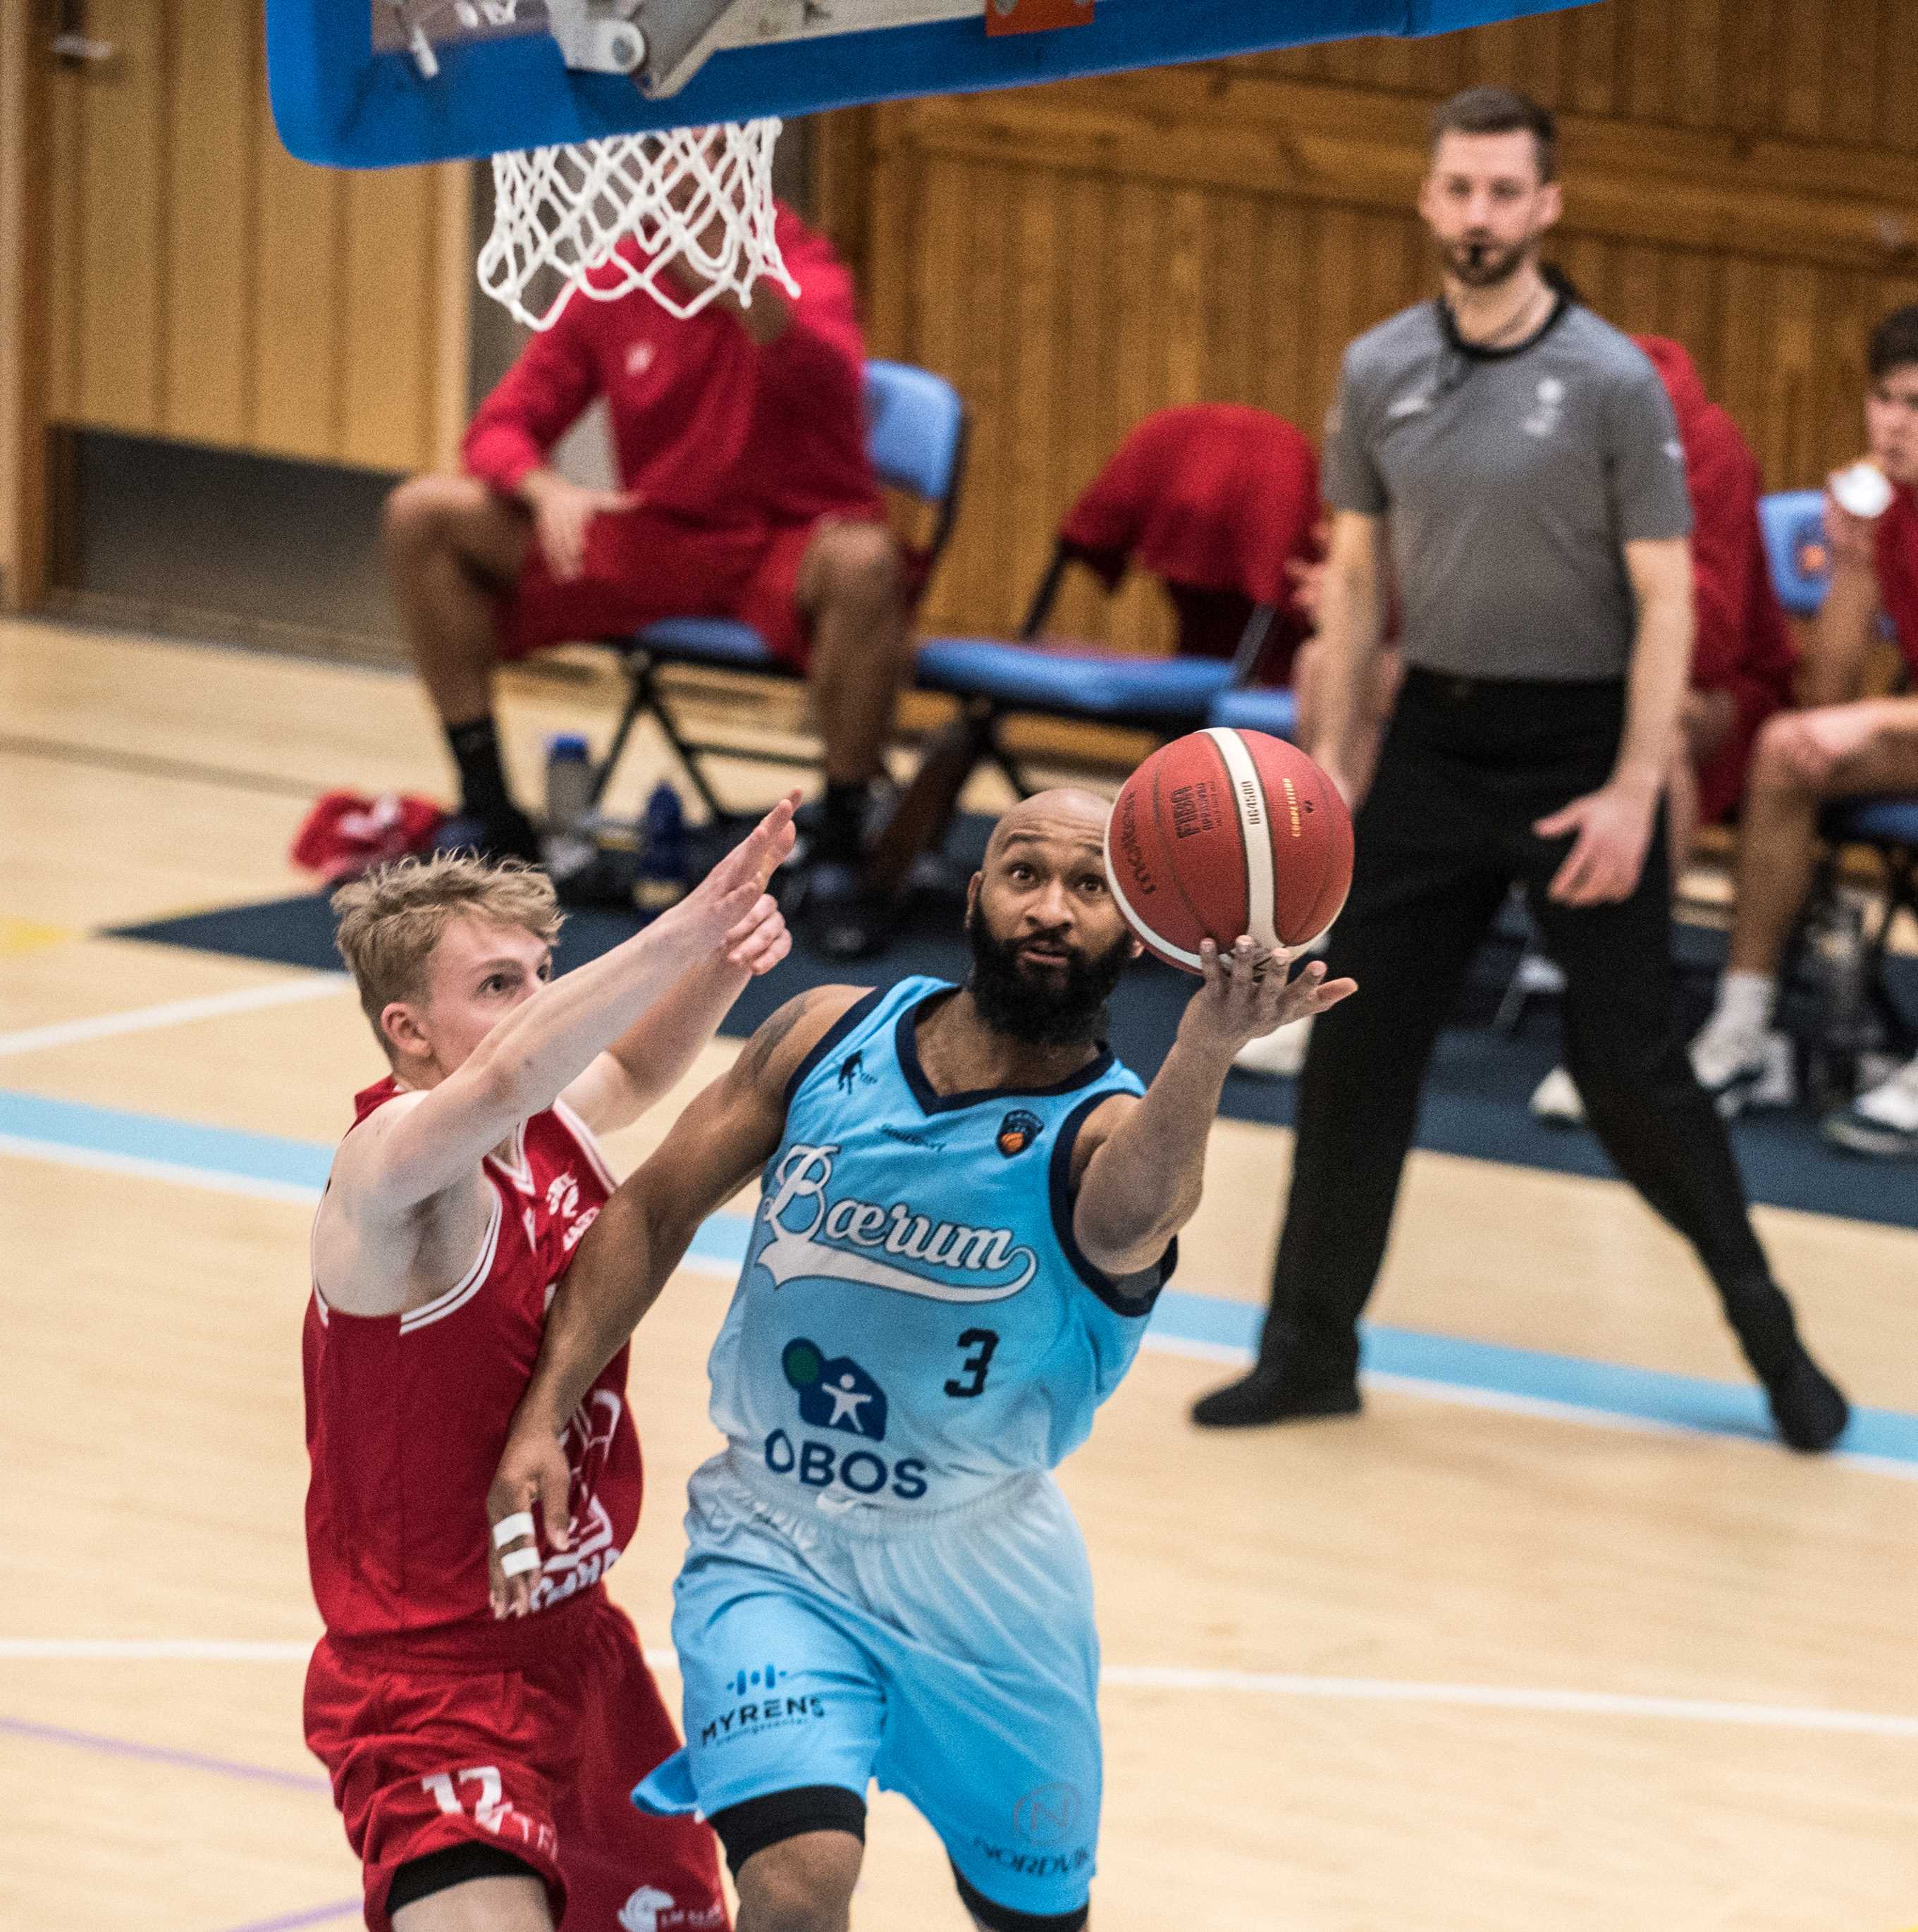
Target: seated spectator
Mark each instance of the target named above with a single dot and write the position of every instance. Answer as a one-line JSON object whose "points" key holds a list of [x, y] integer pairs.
{"points": [[1843, 745], [744, 492]]}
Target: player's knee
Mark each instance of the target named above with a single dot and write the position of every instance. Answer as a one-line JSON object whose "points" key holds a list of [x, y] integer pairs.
{"points": [[859, 564], [992, 1916], [795, 1855], [414, 517], [1773, 770]]}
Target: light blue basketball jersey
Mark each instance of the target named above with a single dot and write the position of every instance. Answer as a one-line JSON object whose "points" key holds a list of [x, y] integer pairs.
{"points": [[915, 1322]]}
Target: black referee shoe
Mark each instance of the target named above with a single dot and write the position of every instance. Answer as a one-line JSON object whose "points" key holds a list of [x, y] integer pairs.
{"points": [[1273, 1394], [1808, 1407]]}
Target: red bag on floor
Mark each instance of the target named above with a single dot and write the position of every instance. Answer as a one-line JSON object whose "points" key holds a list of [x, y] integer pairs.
{"points": [[347, 833]]}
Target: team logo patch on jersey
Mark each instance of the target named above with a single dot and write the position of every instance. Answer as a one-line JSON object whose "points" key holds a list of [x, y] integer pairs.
{"points": [[1018, 1131], [834, 1393]]}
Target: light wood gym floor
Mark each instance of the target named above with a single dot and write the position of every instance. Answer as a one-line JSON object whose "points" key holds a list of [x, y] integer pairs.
{"points": [[1462, 1665]]}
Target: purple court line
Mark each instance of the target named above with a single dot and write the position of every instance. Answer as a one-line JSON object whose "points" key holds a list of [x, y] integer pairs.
{"points": [[221, 1767], [317, 1914]]}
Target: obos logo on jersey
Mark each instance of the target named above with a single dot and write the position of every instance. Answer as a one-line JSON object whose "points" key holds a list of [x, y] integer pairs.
{"points": [[810, 1235], [834, 1392]]}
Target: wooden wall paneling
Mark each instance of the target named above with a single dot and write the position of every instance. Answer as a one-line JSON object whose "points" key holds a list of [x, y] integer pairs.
{"points": [[1898, 103], [1593, 43], [121, 354], [63, 94], [389, 298], [300, 243], [23, 232], [213, 135], [1851, 74], [455, 284], [1037, 417]]}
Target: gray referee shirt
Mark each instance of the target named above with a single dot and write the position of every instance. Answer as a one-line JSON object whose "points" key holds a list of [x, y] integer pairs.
{"points": [[1512, 480]]}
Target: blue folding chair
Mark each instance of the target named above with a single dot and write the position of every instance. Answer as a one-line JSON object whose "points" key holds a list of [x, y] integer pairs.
{"points": [[915, 440], [1792, 522], [1273, 708]]}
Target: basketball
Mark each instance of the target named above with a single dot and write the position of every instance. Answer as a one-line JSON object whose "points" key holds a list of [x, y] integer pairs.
{"points": [[1223, 832]]}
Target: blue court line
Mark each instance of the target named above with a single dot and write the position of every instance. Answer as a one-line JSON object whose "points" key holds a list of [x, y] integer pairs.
{"points": [[212, 1155]]}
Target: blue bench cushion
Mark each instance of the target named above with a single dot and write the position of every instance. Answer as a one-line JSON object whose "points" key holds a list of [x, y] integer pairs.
{"points": [[1077, 683], [1889, 821], [1255, 708], [720, 641]]}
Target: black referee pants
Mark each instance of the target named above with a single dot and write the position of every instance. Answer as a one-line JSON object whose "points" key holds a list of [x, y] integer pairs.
{"points": [[1468, 765]]}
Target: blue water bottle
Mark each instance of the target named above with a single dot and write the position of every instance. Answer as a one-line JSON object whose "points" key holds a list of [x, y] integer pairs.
{"points": [[665, 856]]}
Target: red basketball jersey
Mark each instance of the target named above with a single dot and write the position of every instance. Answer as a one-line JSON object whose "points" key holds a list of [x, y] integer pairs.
{"points": [[406, 1414]]}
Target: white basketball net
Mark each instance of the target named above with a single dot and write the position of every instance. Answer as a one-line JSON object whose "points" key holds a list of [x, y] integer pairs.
{"points": [[609, 217]]}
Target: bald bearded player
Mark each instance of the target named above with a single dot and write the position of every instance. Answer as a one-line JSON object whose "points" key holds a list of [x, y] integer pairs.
{"points": [[967, 1209]]}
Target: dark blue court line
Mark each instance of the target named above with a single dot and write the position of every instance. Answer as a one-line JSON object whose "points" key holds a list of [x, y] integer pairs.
{"points": [[184, 1760], [1601, 1388]]}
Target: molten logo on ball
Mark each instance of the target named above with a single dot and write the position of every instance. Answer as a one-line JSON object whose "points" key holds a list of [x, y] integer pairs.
{"points": [[1130, 849]]}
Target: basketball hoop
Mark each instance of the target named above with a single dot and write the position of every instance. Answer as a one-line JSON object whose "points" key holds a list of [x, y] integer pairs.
{"points": [[626, 212], [609, 217]]}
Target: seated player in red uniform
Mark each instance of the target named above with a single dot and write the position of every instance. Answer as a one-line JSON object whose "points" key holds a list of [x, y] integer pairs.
{"points": [[1742, 662], [739, 436], [1844, 745], [483, 1767]]}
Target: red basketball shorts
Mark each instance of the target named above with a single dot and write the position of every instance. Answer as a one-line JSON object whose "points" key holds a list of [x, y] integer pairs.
{"points": [[640, 567], [532, 1745]]}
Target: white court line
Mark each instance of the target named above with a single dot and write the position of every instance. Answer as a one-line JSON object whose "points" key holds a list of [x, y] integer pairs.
{"points": [[174, 1012], [1129, 1677], [209, 1179]]}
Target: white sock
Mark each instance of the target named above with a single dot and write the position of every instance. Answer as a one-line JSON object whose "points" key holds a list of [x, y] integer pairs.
{"points": [[1745, 1000]]}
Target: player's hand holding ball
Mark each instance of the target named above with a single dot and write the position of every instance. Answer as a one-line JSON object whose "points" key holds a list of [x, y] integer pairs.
{"points": [[1249, 991]]}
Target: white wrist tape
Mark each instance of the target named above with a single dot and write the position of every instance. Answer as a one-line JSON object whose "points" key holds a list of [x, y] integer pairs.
{"points": [[510, 1528], [517, 1562]]}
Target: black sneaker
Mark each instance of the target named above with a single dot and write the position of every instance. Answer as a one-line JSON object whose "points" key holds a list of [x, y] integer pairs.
{"points": [[1808, 1407], [1272, 1393], [510, 836]]}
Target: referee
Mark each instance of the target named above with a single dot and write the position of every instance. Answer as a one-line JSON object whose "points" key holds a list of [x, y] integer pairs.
{"points": [[1524, 456]]}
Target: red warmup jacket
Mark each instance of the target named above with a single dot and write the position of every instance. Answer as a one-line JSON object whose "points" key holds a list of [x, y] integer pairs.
{"points": [[1743, 644], [1213, 499], [1897, 573], [705, 425]]}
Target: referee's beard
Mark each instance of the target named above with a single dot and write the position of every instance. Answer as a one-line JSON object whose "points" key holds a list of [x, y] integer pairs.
{"points": [[1479, 262], [1040, 1009]]}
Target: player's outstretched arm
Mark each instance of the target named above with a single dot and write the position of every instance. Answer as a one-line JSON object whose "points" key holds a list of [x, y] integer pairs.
{"points": [[1144, 1160], [723, 1138], [406, 1155], [650, 1058]]}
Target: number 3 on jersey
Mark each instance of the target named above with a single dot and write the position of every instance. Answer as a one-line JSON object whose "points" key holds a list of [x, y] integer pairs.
{"points": [[972, 1379]]}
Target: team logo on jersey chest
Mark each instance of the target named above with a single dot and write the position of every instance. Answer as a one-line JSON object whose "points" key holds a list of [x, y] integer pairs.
{"points": [[810, 1233], [834, 1392], [1017, 1132]]}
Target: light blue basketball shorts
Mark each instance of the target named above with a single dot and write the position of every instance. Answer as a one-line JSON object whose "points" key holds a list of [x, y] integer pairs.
{"points": [[955, 1660]]}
